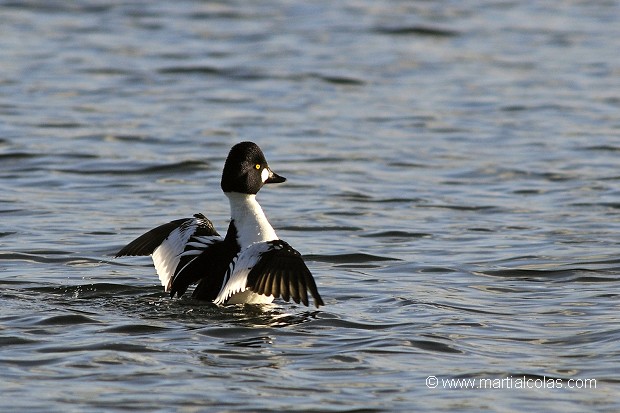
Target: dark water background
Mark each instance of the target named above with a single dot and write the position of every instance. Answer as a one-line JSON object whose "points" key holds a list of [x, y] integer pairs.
{"points": [[453, 185]]}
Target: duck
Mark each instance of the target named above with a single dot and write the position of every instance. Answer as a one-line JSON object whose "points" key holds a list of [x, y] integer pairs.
{"points": [[250, 265]]}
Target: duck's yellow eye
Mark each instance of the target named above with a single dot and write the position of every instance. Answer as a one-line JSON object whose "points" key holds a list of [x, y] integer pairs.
{"points": [[257, 166]]}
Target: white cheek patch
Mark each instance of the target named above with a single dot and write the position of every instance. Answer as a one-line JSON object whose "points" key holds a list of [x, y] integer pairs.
{"points": [[264, 175]]}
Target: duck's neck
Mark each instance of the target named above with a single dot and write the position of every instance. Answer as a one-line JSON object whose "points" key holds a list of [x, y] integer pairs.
{"points": [[249, 220]]}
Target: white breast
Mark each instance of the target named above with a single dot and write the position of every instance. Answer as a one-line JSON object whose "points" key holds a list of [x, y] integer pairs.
{"points": [[250, 220], [234, 290]]}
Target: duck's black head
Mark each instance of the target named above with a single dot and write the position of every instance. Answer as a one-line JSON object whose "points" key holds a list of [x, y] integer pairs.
{"points": [[246, 170]]}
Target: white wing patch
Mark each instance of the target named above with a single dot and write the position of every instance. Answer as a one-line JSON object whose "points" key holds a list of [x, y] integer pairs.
{"points": [[237, 276], [166, 257], [179, 243]]}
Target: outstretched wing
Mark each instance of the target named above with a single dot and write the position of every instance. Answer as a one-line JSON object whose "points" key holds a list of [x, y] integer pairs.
{"points": [[205, 259], [168, 242], [270, 268]]}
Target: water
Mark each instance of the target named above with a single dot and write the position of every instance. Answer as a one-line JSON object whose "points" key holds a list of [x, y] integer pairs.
{"points": [[453, 186]]}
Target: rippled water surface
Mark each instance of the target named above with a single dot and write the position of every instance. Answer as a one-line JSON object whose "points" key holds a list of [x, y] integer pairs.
{"points": [[453, 184]]}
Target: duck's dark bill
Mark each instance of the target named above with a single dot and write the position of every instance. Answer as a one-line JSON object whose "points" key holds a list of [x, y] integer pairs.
{"points": [[274, 178]]}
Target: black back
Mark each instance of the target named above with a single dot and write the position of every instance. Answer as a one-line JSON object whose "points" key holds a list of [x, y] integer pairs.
{"points": [[209, 268]]}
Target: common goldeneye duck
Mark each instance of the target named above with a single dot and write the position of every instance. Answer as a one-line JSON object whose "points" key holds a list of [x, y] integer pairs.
{"points": [[250, 265]]}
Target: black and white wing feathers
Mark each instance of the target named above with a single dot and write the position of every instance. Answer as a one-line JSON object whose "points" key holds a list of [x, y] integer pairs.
{"points": [[168, 242], [270, 268], [206, 259]]}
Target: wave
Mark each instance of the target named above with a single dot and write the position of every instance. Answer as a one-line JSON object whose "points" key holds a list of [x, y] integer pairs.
{"points": [[584, 275], [349, 258]]}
